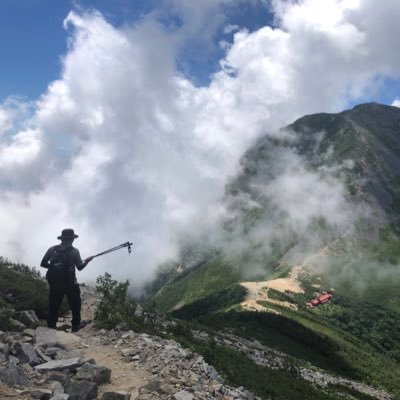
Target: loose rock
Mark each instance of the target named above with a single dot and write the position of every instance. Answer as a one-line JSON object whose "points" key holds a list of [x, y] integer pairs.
{"points": [[25, 353], [94, 373], [183, 395], [12, 376], [28, 318], [116, 396], [59, 365], [41, 394], [82, 390], [62, 396], [17, 324]]}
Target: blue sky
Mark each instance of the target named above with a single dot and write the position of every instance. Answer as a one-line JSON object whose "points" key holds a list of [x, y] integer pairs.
{"points": [[33, 38]]}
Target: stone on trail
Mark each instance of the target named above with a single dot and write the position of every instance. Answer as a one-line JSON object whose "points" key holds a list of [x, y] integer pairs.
{"points": [[183, 395], [41, 394], [29, 332], [128, 352], [93, 373], [59, 377], [13, 361], [41, 354], [17, 324], [145, 396], [25, 353], [61, 396], [50, 337], [82, 390], [167, 389], [45, 336], [152, 386], [116, 396], [56, 388], [14, 376], [57, 353], [28, 318], [59, 365]]}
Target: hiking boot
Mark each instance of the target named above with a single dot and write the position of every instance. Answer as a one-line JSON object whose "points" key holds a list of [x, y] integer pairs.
{"points": [[76, 328]]}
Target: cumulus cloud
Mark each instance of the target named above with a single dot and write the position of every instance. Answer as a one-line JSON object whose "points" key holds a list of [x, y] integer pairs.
{"points": [[396, 102], [4, 121], [124, 146]]}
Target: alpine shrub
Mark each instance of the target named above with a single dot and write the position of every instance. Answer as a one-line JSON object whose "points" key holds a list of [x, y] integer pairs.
{"points": [[114, 306]]}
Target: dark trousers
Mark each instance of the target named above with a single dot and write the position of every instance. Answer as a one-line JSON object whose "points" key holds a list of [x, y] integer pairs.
{"points": [[56, 295]]}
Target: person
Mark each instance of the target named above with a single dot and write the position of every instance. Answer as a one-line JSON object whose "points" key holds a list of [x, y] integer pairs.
{"points": [[66, 285]]}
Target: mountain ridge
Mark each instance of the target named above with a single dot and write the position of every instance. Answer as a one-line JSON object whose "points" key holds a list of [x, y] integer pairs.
{"points": [[341, 172], [368, 183]]}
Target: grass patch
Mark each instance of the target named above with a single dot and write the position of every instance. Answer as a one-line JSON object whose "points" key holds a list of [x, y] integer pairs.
{"points": [[280, 296], [217, 301], [281, 272], [23, 288], [214, 276]]}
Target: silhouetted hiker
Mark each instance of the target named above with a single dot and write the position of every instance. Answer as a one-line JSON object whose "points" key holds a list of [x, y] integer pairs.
{"points": [[61, 260]]}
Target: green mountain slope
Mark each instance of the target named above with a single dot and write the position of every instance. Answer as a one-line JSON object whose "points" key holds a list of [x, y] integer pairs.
{"points": [[360, 149], [321, 193]]}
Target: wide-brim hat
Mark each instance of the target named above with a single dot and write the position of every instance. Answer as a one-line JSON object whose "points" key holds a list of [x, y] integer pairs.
{"points": [[67, 234]]}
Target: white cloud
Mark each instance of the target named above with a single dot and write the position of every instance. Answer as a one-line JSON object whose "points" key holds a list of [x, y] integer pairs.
{"points": [[24, 148], [123, 146], [396, 102], [4, 121]]}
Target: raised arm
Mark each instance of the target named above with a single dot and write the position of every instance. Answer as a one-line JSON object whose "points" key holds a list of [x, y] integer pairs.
{"points": [[79, 264]]}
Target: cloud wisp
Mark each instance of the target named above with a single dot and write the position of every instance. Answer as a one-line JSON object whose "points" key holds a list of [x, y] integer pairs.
{"points": [[124, 146]]}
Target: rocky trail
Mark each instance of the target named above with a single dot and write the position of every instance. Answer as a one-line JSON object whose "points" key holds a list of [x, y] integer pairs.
{"points": [[119, 364]]}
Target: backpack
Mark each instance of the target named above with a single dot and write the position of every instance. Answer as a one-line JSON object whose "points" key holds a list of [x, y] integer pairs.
{"points": [[61, 269]]}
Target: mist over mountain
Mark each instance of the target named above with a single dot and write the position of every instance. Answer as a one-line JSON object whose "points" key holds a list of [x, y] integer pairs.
{"points": [[327, 181], [312, 213]]}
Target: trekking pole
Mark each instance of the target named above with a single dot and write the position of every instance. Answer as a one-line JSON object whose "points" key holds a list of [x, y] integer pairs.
{"points": [[120, 246]]}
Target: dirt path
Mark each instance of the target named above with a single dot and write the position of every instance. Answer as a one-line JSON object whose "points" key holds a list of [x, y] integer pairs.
{"points": [[258, 291], [125, 376]]}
